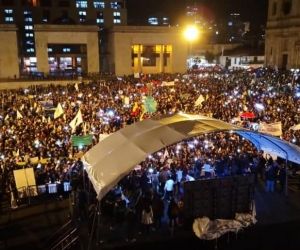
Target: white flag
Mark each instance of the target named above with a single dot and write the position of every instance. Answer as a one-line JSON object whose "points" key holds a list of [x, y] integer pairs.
{"points": [[6, 117], [58, 111], [76, 87], [43, 119], [22, 107], [166, 154], [19, 116], [199, 100], [49, 119], [76, 121]]}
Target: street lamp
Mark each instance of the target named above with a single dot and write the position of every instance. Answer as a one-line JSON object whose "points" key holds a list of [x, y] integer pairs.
{"points": [[191, 34]]}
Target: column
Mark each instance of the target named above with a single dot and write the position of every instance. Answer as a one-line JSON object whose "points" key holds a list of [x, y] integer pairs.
{"points": [[93, 57], [139, 59], [41, 48], [161, 59], [9, 60]]}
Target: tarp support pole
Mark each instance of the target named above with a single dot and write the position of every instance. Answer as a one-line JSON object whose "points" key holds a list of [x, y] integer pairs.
{"points": [[286, 175]]}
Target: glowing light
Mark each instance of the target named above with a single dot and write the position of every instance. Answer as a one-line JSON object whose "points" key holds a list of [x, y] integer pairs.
{"points": [[191, 33]]}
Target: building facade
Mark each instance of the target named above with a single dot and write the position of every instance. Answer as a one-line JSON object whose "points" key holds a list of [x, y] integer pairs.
{"points": [[282, 47], [28, 19], [144, 49], [79, 37]]}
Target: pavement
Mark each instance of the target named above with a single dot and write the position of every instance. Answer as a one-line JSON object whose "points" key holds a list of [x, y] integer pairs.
{"points": [[278, 227]]}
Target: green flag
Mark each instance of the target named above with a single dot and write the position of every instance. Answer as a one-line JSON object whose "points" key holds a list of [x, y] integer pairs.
{"points": [[82, 140]]}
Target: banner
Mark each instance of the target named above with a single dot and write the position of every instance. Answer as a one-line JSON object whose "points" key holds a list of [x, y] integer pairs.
{"points": [[167, 84], [271, 128], [82, 140]]}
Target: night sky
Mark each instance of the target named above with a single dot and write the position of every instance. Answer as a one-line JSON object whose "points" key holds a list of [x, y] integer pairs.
{"points": [[254, 11]]}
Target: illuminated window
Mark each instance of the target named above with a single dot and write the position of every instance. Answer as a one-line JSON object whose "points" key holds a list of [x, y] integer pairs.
{"points": [[8, 15], [30, 50], [50, 49], [28, 27], [82, 16], [29, 34], [115, 5], [30, 42], [66, 50], [153, 20], [9, 19], [100, 17], [117, 17], [99, 5], [81, 4], [165, 21]]}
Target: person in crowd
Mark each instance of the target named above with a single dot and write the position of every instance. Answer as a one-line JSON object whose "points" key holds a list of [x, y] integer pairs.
{"points": [[169, 189], [282, 176], [147, 218], [158, 207], [270, 176], [155, 180], [180, 212], [207, 170], [163, 178], [173, 211]]}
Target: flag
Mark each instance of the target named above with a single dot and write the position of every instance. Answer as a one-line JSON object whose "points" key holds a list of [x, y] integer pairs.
{"points": [[76, 121], [43, 119], [136, 75], [19, 115], [49, 119], [166, 153], [64, 117], [76, 87], [126, 100], [142, 116], [16, 154], [6, 117], [58, 111], [199, 100], [22, 107], [82, 140]]}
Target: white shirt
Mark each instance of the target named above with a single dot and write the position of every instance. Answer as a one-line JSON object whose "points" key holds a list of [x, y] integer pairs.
{"points": [[169, 185]]}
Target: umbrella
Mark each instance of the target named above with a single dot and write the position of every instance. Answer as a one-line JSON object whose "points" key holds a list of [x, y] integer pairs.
{"points": [[295, 127], [247, 115]]}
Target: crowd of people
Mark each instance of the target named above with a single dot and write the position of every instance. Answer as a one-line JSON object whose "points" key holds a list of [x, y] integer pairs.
{"points": [[30, 136]]}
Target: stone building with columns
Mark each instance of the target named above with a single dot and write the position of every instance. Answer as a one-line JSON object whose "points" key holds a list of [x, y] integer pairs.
{"points": [[122, 50], [282, 47], [67, 37]]}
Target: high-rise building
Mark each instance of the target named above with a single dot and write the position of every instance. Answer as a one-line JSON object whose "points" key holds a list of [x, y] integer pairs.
{"points": [[28, 16]]}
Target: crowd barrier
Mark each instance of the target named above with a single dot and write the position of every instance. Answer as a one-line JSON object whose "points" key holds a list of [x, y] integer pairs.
{"points": [[43, 190]]}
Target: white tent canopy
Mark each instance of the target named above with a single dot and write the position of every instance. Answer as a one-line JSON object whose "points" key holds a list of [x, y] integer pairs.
{"points": [[114, 157]]}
